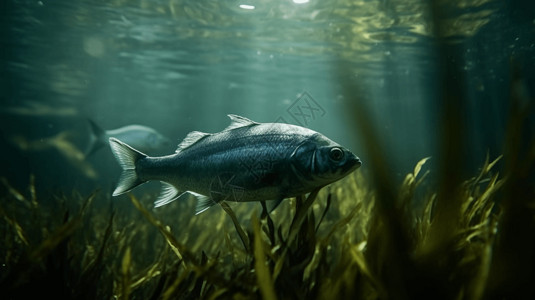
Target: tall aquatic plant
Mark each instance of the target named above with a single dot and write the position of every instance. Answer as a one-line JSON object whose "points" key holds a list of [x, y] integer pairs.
{"points": [[337, 242], [366, 237]]}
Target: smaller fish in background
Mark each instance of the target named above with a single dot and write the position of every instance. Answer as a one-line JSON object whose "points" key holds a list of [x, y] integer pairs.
{"points": [[36, 109], [141, 137], [60, 143]]}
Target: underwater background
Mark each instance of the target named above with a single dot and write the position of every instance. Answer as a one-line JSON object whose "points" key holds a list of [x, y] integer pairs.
{"points": [[446, 86]]}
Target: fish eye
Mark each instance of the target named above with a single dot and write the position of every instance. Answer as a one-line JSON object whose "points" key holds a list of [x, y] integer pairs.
{"points": [[336, 154]]}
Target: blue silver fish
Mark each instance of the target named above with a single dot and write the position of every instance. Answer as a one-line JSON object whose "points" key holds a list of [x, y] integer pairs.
{"points": [[247, 161], [141, 137]]}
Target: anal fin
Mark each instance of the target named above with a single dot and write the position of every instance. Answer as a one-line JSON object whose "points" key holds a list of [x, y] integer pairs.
{"points": [[169, 194], [203, 202]]}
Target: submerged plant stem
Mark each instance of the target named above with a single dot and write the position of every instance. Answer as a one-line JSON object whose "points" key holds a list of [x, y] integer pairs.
{"points": [[239, 229]]}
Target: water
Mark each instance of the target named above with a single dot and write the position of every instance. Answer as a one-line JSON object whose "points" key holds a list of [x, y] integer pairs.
{"points": [[179, 66]]}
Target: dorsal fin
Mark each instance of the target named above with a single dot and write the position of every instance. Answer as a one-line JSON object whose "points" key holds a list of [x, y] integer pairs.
{"points": [[239, 121], [192, 138]]}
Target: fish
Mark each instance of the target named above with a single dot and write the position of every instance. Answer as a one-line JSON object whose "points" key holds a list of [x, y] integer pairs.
{"points": [[60, 142], [143, 138], [37, 109], [247, 161]]}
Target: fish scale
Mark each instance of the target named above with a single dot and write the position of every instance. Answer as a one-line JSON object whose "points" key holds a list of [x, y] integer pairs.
{"points": [[247, 161]]}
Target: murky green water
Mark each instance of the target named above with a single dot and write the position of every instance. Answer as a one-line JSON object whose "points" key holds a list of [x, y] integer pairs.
{"points": [[179, 66], [395, 81]]}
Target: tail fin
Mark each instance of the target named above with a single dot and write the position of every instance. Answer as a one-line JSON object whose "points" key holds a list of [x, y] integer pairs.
{"points": [[127, 158], [97, 138]]}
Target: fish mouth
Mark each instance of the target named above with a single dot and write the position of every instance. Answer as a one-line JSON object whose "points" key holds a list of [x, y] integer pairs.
{"points": [[352, 163]]}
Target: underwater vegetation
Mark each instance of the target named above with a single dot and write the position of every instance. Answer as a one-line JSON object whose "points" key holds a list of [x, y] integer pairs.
{"points": [[360, 238], [335, 243], [365, 237]]}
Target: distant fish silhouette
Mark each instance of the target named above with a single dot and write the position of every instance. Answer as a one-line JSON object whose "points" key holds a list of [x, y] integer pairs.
{"points": [[33, 108], [141, 137], [59, 142]]}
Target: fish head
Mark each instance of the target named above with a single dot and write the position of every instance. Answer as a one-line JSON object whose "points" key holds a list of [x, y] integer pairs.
{"points": [[321, 161]]}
